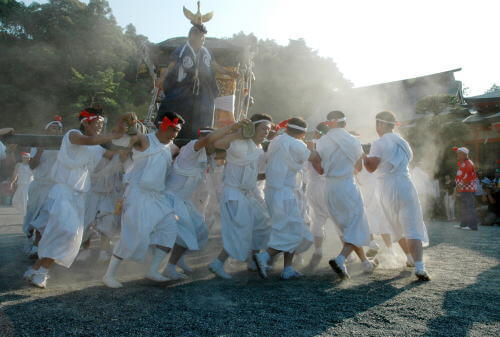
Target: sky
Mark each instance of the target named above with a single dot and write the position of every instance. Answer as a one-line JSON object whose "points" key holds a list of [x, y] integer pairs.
{"points": [[371, 41]]}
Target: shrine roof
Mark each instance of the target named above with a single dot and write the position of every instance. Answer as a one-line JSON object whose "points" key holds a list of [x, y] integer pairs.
{"points": [[211, 43]]}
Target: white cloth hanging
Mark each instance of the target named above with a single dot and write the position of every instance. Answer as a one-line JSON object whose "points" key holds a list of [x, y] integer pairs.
{"points": [[187, 174], [339, 152], [147, 217], [24, 179], [286, 156], [244, 220], [398, 195], [65, 204], [39, 189]]}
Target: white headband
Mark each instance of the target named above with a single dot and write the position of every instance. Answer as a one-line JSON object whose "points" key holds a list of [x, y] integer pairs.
{"points": [[463, 149], [383, 121], [343, 119], [296, 127], [52, 123], [261, 121], [91, 118]]}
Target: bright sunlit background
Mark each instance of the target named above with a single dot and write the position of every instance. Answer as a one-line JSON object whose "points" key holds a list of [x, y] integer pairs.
{"points": [[371, 41]]}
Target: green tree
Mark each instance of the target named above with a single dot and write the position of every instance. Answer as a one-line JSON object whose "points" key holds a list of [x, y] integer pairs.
{"points": [[49, 51], [58, 56], [100, 88]]}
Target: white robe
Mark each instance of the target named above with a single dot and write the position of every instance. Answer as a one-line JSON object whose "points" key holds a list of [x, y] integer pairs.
{"points": [[62, 235], [398, 195], [106, 188], [315, 193], [286, 156], [261, 184], [147, 217], [244, 220], [339, 152], [201, 194], [371, 195], [39, 190], [187, 174], [24, 179], [215, 190]]}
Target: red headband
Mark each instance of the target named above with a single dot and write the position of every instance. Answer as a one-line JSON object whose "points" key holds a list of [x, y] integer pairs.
{"points": [[87, 116], [281, 125], [166, 122]]}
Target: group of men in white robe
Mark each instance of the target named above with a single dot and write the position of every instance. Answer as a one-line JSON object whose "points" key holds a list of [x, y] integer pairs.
{"points": [[149, 196]]}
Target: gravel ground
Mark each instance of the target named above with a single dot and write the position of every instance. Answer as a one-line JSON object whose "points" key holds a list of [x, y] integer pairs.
{"points": [[463, 299]]}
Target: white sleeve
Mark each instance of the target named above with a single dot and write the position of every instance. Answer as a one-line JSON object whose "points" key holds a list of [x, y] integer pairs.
{"points": [[377, 149], [299, 152]]}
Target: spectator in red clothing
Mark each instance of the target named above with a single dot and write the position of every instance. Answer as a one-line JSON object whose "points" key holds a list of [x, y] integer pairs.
{"points": [[466, 188]]}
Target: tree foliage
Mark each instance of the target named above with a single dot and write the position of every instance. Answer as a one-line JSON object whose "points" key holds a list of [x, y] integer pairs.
{"points": [[60, 56], [57, 57]]}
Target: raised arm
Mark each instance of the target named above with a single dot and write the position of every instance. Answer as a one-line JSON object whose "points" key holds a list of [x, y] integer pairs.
{"points": [[225, 142], [214, 137], [78, 139], [116, 133]]}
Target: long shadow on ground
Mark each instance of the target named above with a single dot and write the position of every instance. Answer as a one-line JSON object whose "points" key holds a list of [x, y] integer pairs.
{"points": [[476, 303], [203, 308]]}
